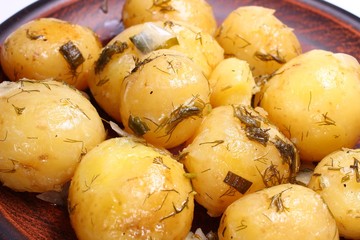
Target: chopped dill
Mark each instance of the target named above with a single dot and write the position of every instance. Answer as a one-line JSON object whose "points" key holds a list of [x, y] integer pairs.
{"points": [[107, 52], [277, 202]]}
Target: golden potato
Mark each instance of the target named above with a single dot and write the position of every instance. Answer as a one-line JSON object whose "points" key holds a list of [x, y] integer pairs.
{"points": [[45, 129], [285, 211], [50, 48], [336, 178], [313, 99], [236, 151], [232, 82], [199, 12], [256, 35], [123, 189], [164, 98]]}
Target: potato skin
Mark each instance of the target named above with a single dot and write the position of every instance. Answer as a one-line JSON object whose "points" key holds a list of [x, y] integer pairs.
{"points": [[123, 189], [221, 145], [167, 95], [285, 211], [45, 127], [313, 99], [232, 82], [198, 13], [32, 51], [335, 179], [254, 34]]}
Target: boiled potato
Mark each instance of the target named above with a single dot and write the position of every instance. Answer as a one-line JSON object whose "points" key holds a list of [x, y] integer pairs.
{"points": [[198, 13], [336, 178], [164, 98], [256, 35], [285, 211], [45, 128], [236, 151], [50, 48], [123, 189], [232, 83], [313, 99]]}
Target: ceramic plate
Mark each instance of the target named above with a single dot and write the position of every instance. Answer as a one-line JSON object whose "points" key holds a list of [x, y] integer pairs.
{"points": [[317, 25]]}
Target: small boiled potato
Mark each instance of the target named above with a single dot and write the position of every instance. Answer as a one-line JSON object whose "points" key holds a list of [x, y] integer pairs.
{"points": [[234, 152], [336, 178], [198, 13], [254, 34], [50, 48], [313, 99], [285, 211], [45, 129], [164, 98], [123, 189], [232, 82]]}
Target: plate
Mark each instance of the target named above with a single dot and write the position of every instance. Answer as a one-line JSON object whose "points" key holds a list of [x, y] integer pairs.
{"points": [[316, 24]]}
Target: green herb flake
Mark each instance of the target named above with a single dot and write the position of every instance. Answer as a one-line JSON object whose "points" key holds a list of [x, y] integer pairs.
{"points": [[138, 126], [72, 55], [237, 182], [107, 52]]}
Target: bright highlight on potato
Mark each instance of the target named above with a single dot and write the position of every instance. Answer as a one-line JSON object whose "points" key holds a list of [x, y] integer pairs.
{"points": [[124, 189], [314, 100], [50, 48], [46, 127], [337, 179], [234, 152], [286, 211]]}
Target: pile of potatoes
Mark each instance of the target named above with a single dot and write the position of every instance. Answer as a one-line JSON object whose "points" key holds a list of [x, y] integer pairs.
{"points": [[222, 116]]}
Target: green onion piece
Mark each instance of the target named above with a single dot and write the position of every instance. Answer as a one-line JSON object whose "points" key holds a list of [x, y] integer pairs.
{"points": [[237, 182], [153, 38], [72, 55], [137, 126]]}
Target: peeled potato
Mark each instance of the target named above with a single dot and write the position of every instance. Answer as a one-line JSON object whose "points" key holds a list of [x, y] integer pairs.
{"points": [[46, 127], [123, 189], [336, 178], [285, 211], [234, 152], [256, 35], [313, 99], [50, 48], [199, 13], [164, 98], [232, 83]]}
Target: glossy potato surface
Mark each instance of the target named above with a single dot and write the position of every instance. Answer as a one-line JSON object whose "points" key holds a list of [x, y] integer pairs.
{"points": [[123, 189], [313, 99], [33, 51], [336, 178], [46, 127], [235, 152], [164, 99], [285, 211], [198, 13], [256, 35]]}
